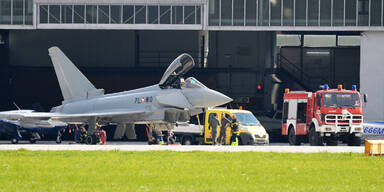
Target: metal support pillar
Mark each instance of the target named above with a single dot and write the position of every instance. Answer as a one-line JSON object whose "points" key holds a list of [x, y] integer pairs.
{"points": [[203, 48], [301, 56]]}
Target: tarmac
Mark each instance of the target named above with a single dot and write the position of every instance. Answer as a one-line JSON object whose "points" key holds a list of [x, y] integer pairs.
{"points": [[142, 146]]}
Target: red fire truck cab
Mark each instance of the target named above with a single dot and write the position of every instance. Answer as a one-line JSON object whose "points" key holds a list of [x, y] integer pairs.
{"points": [[325, 116]]}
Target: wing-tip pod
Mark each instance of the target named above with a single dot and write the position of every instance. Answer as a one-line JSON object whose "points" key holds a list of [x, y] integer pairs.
{"points": [[179, 67]]}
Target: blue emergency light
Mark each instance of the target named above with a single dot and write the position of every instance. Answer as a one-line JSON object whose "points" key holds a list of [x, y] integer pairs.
{"points": [[354, 87], [325, 87]]}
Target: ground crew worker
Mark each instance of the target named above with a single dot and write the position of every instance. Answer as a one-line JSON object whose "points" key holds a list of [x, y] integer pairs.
{"points": [[102, 135], [213, 124], [83, 134], [225, 122], [235, 131], [77, 134], [160, 137], [157, 134]]}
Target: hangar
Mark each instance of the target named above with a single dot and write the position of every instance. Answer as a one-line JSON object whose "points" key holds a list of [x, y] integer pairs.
{"points": [[248, 49]]}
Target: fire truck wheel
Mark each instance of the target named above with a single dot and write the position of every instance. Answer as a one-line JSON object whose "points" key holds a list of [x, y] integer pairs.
{"points": [[314, 138], [354, 141], [332, 141], [292, 138]]}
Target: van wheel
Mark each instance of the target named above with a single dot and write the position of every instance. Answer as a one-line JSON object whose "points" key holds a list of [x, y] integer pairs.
{"points": [[187, 141], [293, 138], [240, 141]]}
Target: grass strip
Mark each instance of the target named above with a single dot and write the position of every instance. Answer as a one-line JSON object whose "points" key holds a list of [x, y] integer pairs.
{"points": [[24, 170]]}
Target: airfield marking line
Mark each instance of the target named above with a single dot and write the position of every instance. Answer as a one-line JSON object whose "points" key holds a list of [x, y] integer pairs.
{"points": [[282, 149]]}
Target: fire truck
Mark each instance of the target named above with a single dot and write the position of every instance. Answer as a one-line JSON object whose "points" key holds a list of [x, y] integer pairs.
{"points": [[326, 116]]}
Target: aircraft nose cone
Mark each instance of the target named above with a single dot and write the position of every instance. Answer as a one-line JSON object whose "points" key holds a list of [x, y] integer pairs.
{"points": [[205, 98], [214, 98]]}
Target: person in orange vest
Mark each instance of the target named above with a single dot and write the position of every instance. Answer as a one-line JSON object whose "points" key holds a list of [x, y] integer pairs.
{"points": [[103, 135]]}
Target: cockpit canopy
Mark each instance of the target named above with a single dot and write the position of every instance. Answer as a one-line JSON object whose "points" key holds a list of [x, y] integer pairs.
{"points": [[179, 67], [191, 82]]}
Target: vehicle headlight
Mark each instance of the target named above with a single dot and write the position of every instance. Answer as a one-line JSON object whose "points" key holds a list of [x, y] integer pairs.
{"points": [[260, 136]]}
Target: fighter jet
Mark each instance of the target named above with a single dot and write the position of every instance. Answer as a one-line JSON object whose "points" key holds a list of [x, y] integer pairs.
{"points": [[33, 130], [173, 99]]}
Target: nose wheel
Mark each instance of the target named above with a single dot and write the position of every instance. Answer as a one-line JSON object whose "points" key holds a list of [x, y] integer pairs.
{"points": [[58, 140], [14, 141], [34, 137], [32, 141], [94, 133]]}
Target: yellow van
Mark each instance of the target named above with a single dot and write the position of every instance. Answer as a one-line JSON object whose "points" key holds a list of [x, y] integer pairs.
{"points": [[251, 131]]}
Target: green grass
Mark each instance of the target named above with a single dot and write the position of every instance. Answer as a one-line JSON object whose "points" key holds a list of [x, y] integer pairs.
{"points": [[188, 171]]}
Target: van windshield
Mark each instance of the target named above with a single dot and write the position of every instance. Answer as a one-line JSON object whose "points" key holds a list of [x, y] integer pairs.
{"points": [[247, 119], [341, 100]]}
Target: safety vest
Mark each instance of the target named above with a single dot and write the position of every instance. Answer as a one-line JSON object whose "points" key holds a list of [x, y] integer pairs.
{"points": [[235, 126]]}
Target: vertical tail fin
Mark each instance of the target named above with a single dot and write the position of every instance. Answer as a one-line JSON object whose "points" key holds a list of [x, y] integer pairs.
{"points": [[74, 85]]}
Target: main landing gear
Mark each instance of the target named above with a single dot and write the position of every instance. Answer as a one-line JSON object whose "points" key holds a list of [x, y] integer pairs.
{"points": [[95, 134]]}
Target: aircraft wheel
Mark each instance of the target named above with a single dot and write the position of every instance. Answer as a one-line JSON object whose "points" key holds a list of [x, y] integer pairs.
{"points": [[96, 139], [92, 139], [32, 141], [153, 141], [89, 140], [171, 140], [292, 137], [58, 140], [14, 141]]}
